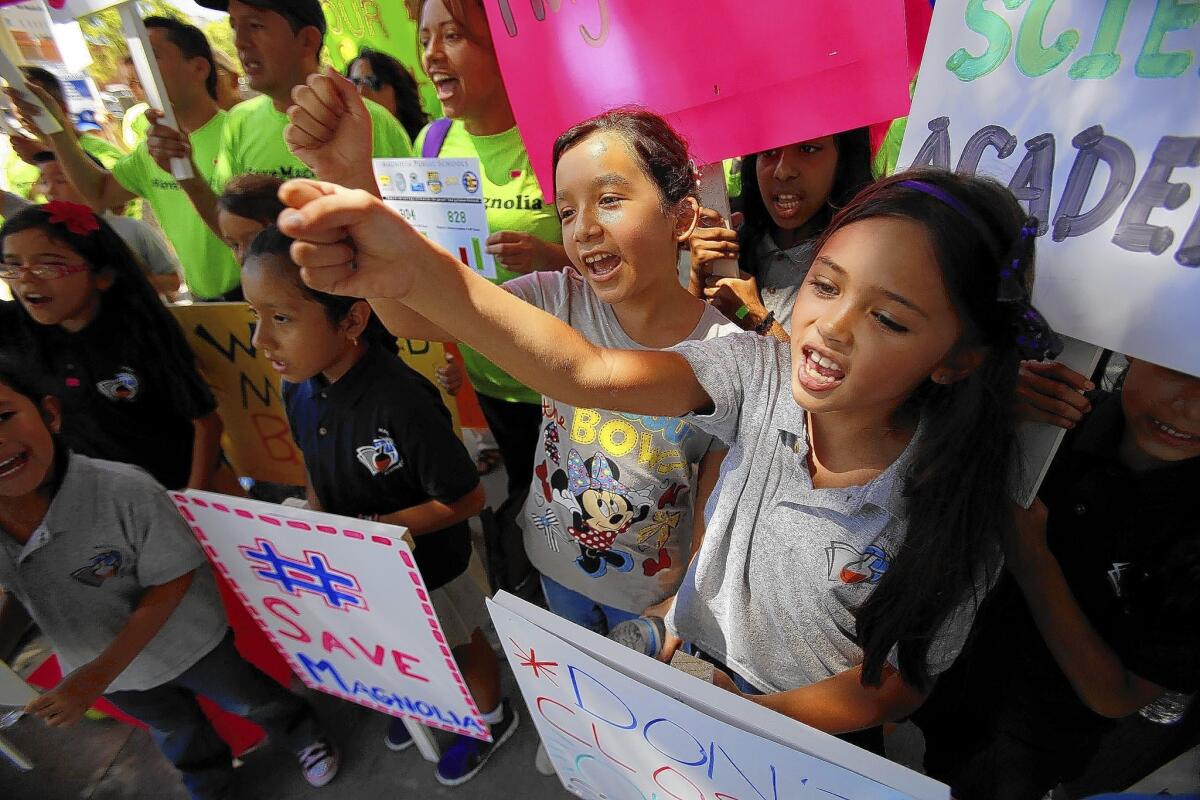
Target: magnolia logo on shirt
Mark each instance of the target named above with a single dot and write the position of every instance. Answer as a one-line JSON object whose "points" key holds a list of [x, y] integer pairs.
{"points": [[122, 386], [850, 566], [381, 456]]}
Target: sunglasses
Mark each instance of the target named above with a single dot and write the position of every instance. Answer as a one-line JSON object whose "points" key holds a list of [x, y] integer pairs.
{"points": [[371, 82], [44, 272]]}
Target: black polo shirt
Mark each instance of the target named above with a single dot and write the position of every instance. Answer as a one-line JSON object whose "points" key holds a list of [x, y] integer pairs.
{"points": [[379, 440], [118, 403], [1129, 546]]}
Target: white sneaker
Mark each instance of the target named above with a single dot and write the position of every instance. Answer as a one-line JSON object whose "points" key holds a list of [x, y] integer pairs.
{"points": [[318, 762]]}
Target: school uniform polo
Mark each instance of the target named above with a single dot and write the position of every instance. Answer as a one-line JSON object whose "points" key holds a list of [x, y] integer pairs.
{"points": [[379, 440], [110, 533], [120, 404], [784, 565]]}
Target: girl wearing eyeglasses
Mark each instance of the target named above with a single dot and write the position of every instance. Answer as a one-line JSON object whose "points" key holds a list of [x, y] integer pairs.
{"points": [[117, 359]]}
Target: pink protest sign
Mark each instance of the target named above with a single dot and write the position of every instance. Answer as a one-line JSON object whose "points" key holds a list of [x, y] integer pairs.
{"points": [[343, 602], [733, 77]]}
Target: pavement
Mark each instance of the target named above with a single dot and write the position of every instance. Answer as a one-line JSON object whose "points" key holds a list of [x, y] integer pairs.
{"points": [[103, 759]]}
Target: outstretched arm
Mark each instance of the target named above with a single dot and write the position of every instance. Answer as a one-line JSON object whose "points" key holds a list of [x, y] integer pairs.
{"points": [[350, 243]]}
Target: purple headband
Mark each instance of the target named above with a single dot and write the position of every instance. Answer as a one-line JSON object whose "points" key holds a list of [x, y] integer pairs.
{"points": [[1035, 338]]}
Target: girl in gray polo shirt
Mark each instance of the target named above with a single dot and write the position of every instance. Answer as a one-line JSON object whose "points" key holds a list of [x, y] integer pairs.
{"points": [[96, 553], [860, 510]]}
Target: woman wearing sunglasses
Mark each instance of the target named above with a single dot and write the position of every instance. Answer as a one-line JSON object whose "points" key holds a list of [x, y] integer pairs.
{"points": [[385, 80]]}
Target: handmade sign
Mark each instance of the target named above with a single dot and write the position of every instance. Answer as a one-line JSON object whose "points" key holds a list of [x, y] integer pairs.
{"points": [[443, 199], [1082, 109], [257, 440], [342, 601], [619, 724], [833, 68]]}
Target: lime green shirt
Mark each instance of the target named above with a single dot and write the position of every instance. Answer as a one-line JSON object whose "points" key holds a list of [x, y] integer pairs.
{"points": [[514, 203], [21, 175], [253, 142], [208, 264]]}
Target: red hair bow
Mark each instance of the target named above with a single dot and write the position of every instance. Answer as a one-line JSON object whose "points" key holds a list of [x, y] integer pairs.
{"points": [[79, 219]]}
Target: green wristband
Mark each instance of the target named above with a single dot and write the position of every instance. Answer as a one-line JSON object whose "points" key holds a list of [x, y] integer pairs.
{"points": [[742, 312]]}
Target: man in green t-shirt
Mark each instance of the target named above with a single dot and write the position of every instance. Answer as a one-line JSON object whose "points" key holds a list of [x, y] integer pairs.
{"points": [[279, 44], [186, 63]]}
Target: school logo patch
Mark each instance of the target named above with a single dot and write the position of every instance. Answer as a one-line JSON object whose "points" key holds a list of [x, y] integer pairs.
{"points": [[380, 456], [122, 386], [470, 182], [100, 567], [847, 565]]}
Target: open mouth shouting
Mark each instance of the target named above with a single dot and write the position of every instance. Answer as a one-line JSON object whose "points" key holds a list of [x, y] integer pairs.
{"points": [[785, 205], [819, 372], [600, 265], [445, 84]]}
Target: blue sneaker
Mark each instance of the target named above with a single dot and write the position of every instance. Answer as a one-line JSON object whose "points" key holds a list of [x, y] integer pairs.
{"points": [[466, 756], [398, 738]]}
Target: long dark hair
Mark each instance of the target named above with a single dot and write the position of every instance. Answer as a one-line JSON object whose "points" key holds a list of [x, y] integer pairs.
{"points": [[957, 489], [150, 332], [408, 96], [270, 242], [659, 149], [853, 172]]}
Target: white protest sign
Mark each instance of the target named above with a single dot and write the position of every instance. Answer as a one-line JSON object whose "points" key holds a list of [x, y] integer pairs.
{"points": [[619, 724], [13, 76], [443, 199], [1089, 112], [342, 601], [144, 63]]}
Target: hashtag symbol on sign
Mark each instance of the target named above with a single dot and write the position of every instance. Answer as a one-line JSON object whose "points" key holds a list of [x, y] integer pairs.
{"points": [[338, 589]]}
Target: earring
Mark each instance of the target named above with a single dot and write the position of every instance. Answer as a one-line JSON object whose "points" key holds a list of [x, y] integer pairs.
{"points": [[354, 341]]}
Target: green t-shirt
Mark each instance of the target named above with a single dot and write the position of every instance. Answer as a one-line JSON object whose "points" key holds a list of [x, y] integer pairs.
{"points": [[253, 142], [208, 264], [514, 203], [21, 176]]}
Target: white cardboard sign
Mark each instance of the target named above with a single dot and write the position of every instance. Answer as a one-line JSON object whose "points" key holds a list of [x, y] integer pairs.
{"points": [[1088, 111], [618, 724], [342, 601]]}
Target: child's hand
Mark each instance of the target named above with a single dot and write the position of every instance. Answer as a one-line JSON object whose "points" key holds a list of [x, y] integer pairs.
{"points": [[730, 294], [1052, 393], [66, 703], [349, 242], [450, 376], [165, 143], [711, 241], [1025, 544], [517, 251], [671, 642], [329, 129]]}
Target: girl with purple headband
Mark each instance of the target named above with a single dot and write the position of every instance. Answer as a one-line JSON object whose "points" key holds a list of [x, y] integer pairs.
{"points": [[859, 515]]}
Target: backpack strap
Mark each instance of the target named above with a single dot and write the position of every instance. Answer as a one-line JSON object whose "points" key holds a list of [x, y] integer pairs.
{"points": [[435, 138]]}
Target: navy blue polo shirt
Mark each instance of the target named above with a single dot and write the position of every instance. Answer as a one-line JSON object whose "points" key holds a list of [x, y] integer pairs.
{"points": [[379, 440], [118, 401]]}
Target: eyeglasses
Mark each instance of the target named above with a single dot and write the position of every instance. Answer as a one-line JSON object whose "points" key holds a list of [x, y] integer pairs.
{"points": [[372, 82], [43, 272]]}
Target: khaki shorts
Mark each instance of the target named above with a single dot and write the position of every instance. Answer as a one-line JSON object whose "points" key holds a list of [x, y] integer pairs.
{"points": [[460, 609]]}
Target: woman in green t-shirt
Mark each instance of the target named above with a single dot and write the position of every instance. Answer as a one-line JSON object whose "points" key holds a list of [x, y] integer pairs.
{"points": [[459, 59]]}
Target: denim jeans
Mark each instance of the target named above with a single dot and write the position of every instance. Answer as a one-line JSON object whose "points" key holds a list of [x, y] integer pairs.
{"points": [[185, 736], [582, 610]]}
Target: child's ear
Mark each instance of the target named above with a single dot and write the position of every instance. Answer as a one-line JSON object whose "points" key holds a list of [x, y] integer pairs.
{"points": [[105, 279], [687, 218], [959, 364], [51, 413], [356, 319]]}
